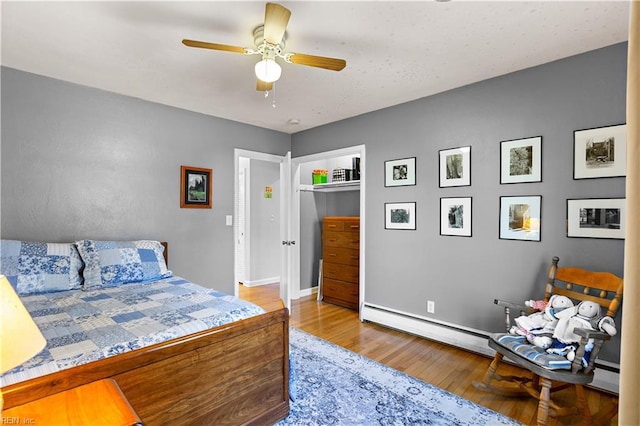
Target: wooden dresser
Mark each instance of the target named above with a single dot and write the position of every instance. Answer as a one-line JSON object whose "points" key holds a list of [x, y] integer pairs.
{"points": [[341, 260]]}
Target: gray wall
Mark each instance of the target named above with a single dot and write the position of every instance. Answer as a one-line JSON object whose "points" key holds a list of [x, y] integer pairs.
{"points": [[264, 251], [464, 275], [83, 163]]}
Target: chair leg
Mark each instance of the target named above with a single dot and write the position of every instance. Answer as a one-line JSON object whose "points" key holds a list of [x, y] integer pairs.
{"points": [[493, 367], [543, 403], [583, 405], [489, 375], [489, 383]]}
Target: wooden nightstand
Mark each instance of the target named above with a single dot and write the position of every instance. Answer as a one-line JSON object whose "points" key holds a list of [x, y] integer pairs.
{"points": [[97, 403]]}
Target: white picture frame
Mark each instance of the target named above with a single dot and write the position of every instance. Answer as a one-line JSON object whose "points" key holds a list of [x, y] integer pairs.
{"points": [[521, 160]]}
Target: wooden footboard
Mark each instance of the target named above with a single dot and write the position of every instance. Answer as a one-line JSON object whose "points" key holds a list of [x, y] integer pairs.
{"points": [[234, 374]]}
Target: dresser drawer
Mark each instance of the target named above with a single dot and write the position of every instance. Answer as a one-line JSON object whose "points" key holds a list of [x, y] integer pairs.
{"points": [[343, 256], [341, 272], [341, 225], [335, 291], [342, 239]]}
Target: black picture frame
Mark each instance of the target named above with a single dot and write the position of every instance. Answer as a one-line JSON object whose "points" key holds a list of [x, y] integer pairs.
{"points": [[400, 216], [600, 152], [596, 218], [454, 167], [456, 216], [521, 160], [520, 218], [400, 172]]}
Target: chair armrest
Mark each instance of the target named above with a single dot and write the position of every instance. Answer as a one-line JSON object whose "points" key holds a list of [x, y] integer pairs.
{"points": [[516, 306], [597, 338], [591, 334], [508, 306]]}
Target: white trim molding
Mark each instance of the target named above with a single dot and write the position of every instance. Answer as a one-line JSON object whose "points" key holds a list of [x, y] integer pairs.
{"points": [[264, 281], [308, 291], [607, 377]]}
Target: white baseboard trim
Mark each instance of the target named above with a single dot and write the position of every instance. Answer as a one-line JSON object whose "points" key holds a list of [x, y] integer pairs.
{"points": [[308, 291], [264, 281], [465, 338]]}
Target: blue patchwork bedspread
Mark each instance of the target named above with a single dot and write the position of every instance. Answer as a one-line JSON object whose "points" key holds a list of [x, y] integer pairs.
{"points": [[84, 326]]}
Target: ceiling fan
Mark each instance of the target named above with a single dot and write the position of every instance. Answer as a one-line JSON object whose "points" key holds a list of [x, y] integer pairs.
{"points": [[269, 39]]}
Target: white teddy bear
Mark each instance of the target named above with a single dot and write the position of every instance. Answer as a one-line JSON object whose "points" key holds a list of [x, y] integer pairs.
{"points": [[586, 315], [539, 326]]}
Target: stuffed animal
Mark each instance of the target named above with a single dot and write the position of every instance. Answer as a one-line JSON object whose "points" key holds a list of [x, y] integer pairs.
{"points": [[538, 327], [586, 315]]}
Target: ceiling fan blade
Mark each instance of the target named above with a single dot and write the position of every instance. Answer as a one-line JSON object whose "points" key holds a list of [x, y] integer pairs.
{"points": [[276, 18], [214, 46], [317, 61], [263, 86]]}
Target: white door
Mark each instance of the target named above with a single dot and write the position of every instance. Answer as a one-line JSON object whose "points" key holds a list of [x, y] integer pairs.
{"points": [[286, 230], [240, 259]]}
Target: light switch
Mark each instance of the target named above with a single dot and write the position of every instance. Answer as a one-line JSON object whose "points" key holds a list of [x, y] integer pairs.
{"points": [[229, 220]]}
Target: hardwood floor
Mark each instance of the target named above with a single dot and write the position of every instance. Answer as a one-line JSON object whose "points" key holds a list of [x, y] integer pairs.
{"points": [[441, 365]]}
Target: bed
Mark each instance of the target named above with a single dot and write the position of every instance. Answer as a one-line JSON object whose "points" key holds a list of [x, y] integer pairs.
{"points": [[233, 371]]}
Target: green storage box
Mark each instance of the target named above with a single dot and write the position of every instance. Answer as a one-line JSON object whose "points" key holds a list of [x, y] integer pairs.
{"points": [[319, 179]]}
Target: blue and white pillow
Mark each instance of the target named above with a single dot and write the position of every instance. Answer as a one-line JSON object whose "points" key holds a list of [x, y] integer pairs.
{"points": [[37, 267], [111, 263]]}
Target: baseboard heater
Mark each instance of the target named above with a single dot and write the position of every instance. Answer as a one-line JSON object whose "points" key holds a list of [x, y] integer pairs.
{"points": [[607, 375]]}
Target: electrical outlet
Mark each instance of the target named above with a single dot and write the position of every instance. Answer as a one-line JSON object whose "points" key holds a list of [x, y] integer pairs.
{"points": [[431, 306]]}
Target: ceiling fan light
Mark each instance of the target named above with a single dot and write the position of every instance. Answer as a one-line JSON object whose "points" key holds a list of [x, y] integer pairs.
{"points": [[268, 70]]}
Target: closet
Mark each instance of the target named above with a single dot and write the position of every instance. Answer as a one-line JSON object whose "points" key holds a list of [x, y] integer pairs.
{"points": [[333, 199]]}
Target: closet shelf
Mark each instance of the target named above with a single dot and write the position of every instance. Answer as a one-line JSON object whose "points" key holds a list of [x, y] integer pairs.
{"points": [[351, 185]]}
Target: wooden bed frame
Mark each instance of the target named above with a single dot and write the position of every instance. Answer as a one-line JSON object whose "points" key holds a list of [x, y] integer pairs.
{"points": [[234, 374]]}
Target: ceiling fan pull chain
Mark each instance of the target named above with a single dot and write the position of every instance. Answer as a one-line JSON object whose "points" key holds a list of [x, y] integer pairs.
{"points": [[273, 102]]}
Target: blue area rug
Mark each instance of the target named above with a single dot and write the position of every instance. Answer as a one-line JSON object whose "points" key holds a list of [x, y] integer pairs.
{"points": [[334, 386]]}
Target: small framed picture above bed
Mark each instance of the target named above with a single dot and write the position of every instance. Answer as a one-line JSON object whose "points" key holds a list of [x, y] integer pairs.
{"points": [[196, 187]]}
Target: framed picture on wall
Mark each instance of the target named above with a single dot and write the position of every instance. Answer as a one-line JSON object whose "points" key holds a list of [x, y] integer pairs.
{"points": [[520, 218], [455, 216], [400, 216], [600, 152], [596, 218], [400, 172], [196, 187], [521, 160], [455, 167]]}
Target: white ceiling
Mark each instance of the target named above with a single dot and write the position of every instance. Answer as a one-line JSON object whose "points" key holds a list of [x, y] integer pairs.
{"points": [[395, 51]]}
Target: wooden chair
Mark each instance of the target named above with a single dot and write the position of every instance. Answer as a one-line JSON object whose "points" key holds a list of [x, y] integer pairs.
{"points": [[545, 375]]}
